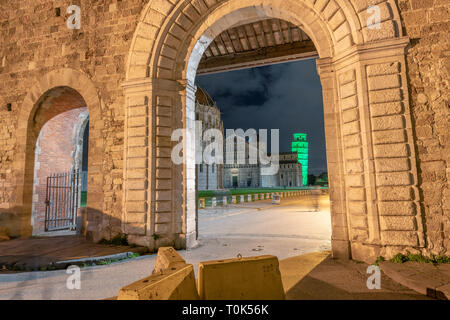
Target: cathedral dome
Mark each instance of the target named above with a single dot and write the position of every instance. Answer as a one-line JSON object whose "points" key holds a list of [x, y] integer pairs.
{"points": [[202, 97]]}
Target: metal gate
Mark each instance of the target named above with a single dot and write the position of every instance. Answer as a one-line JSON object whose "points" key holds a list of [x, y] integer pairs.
{"points": [[62, 201]]}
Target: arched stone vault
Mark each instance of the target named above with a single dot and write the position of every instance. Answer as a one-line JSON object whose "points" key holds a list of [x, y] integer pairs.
{"points": [[371, 159], [28, 130]]}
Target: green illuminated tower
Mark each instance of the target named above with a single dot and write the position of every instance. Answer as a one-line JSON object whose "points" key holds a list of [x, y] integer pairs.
{"points": [[300, 145]]}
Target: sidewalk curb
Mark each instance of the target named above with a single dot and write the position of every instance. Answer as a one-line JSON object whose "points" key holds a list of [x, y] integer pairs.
{"points": [[119, 256], [420, 278], [63, 264]]}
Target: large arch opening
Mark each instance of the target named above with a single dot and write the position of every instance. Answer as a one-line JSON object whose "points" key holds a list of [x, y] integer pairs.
{"points": [[366, 119], [240, 216], [215, 51]]}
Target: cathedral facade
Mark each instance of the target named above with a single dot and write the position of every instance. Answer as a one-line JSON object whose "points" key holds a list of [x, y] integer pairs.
{"points": [[239, 175], [289, 174]]}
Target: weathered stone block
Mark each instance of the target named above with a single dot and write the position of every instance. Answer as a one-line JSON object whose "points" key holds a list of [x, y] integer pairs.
{"points": [[384, 82], [385, 109], [397, 150], [388, 123], [398, 223], [394, 179], [392, 164], [356, 194], [395, 193], [400, 238], [389, 136], [396, 208]]}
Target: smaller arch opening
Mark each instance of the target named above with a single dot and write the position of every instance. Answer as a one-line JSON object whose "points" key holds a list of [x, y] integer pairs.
{"points": [[58, 158]]}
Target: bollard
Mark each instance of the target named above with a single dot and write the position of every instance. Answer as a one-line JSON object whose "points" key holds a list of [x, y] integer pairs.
{"points": [[213, 202], [242, 199], [233, 199], [225, 200], [249, 198]]}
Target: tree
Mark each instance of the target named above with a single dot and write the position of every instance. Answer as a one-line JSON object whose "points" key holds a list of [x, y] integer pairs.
{"points": [[311, 179]]}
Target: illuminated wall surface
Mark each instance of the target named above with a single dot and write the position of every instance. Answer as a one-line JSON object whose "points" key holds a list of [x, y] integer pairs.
{"points": [[300, 145]]}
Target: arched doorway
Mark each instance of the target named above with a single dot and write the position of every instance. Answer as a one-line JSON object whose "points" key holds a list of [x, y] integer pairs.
{"points": [[70, 97], [367, 120], [60, 122]]}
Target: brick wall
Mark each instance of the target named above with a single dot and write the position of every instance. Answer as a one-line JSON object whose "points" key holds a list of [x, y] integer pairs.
{"points": [[54, 154]]}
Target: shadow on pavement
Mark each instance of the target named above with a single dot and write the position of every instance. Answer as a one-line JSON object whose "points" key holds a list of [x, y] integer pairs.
{"points": [[335, 279]]}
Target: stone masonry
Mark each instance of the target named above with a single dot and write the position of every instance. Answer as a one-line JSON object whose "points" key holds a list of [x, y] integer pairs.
{"points": [[133, 63]]}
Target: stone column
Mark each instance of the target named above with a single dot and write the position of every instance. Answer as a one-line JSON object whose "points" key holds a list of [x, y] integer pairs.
{"points": [[371, 159], [138, 219]]}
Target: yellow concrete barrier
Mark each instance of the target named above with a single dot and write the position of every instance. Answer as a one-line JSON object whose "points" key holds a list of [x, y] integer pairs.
{"points": [[167, 258], [178, 283], [172, 279], [253, 278]]}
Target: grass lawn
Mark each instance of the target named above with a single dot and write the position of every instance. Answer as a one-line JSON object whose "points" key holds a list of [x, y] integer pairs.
{"points": [[222, 193], [239, 191]]}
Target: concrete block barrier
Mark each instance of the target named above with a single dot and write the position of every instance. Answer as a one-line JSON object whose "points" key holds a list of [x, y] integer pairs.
{"points": [[172, 279], [167, 258], [177, 283], [254, 278]]}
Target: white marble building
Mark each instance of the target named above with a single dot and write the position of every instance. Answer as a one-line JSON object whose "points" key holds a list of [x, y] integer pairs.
{"points": [[250, 175], [247, 175], [209, 177], [289, 174]]}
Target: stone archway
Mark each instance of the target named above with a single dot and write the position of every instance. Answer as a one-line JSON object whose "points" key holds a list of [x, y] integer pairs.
{"points": [[371, 159], [30, 122]]}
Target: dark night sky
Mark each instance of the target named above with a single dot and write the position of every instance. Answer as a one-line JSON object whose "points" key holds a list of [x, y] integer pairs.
{"points": [[285, 96]]}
